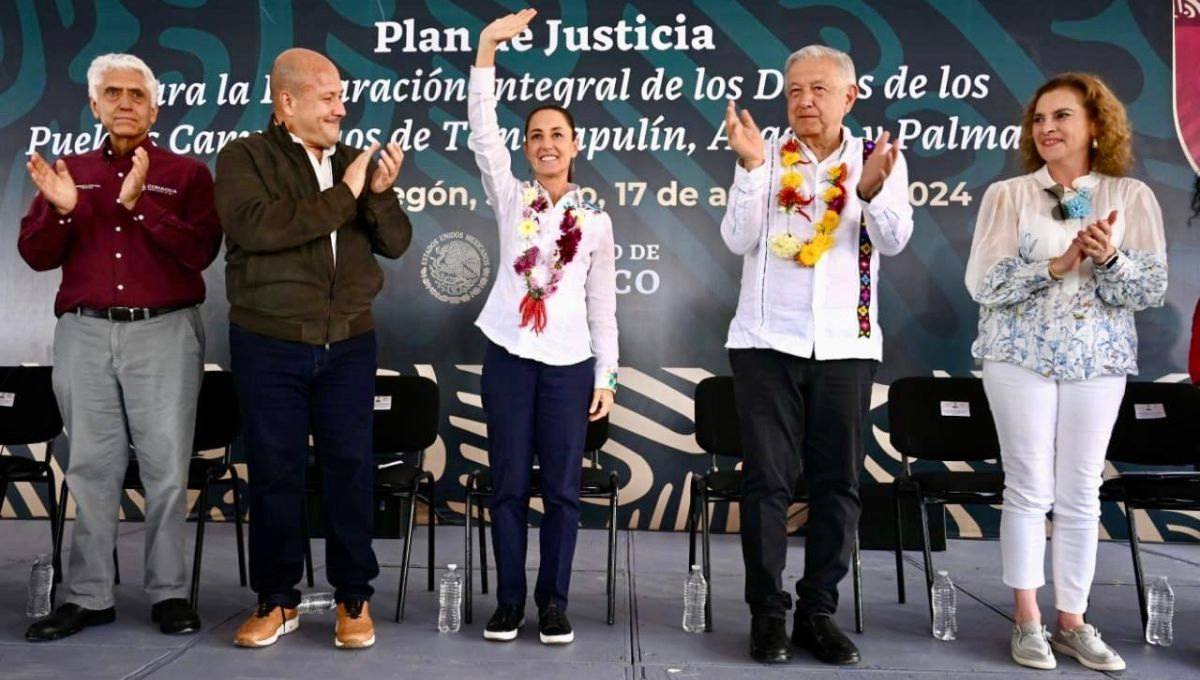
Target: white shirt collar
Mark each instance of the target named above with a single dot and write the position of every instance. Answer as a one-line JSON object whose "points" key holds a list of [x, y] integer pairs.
{"points": [[836, 153], [325, 153], [1045, 181]]}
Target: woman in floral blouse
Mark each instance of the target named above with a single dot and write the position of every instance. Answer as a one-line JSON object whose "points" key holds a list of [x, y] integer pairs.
{"points": [[1061, 259], [551, 359]]}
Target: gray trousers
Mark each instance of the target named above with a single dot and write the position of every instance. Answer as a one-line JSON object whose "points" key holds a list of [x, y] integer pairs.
{"points": [[117, 385]]}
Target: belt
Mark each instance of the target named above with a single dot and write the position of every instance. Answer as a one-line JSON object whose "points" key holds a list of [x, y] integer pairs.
{"points": [[124, 314]]}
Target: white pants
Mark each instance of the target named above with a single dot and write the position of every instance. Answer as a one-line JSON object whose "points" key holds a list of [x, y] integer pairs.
{"points": [[1053, 438]]}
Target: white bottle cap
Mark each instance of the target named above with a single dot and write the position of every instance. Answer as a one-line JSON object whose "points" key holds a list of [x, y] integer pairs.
{"points": [[695, 567], [452, 566], [943, 572]]}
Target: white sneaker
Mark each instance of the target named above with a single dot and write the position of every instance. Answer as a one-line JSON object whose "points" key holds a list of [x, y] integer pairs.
{"points": [[1085, 645], [1030, 647]]}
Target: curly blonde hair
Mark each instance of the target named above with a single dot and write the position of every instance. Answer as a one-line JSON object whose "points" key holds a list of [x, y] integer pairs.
{"points": [[1113, 151]]}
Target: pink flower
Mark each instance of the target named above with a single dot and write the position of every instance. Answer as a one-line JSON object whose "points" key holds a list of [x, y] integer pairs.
{"points": [[526, 261]]}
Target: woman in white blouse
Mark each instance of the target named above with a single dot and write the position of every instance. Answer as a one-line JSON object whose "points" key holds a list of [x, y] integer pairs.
{"points": [[1061, 259], [550, 364]]}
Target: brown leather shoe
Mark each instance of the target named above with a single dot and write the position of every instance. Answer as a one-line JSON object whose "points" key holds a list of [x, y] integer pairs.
{"points": [[354, 629], [265, 625]]}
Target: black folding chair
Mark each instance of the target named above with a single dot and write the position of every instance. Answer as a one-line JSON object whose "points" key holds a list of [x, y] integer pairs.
{"points": [[29, 415], [218, 424], [1158, 425], [717, 432], [595, 483], [941, 419], [405, 422]]}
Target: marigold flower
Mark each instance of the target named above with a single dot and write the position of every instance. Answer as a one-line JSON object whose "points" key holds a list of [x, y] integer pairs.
{"points": [[808, 256], [792, 179]]}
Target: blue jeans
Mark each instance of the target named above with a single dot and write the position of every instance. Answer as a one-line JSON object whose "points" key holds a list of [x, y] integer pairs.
{"points": [[287, 390]]}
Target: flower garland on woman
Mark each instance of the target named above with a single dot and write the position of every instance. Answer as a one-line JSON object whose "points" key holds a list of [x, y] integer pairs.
{"points": [[542, 275]]}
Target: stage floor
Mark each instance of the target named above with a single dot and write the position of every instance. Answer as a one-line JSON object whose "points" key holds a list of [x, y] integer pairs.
{"points": [[646, 642]]}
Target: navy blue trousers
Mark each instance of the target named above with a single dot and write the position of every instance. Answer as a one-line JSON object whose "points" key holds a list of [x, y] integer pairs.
{"points": [[287, 390], [534, 408]]}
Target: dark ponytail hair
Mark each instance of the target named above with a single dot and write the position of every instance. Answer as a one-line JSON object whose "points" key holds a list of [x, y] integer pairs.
{"points": [[570, 123]]}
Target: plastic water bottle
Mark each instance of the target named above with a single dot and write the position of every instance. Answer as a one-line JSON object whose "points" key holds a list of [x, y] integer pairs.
{"points": [[695, 595], [945, 607], [41, 580], [316, 603], [1160, 600], [450, 600]]}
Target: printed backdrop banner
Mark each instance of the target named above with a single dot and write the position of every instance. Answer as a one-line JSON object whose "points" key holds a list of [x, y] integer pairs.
{"points": [[648, 83]]}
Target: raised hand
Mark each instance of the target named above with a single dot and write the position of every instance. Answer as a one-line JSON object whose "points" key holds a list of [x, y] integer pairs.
{"points": [[878, 166], [602, 401], [55, 183], [135, 181], [744, 136], [388, 168], [1095, 240], [356, 172], [500, 31]]}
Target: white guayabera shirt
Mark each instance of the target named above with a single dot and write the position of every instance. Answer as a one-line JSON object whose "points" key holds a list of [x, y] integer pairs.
{"points": [[828, 311], [582, 313]]}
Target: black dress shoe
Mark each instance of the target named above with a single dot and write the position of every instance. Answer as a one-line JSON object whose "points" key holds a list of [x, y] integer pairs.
{"points": [[768, 640], [68, 620], [819, 634], [175, 616]]}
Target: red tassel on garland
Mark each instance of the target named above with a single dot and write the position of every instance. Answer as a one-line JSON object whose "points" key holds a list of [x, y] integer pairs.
{"points": [[533, 311]]}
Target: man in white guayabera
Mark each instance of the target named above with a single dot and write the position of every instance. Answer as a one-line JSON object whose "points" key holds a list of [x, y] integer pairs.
{"points": [[810, 212]]}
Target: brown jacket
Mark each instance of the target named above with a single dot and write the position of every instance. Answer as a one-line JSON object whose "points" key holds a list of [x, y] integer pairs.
{"points": [[280, 275]]}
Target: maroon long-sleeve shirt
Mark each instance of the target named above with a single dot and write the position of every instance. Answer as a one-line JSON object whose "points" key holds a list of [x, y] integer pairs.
{"points": [[151, 256]]}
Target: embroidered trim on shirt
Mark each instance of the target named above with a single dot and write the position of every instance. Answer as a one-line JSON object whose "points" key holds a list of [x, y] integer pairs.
{"points": [[864, 262], [612, 379], [864, 281]]}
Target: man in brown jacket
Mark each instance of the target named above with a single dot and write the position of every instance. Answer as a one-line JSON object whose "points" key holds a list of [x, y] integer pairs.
{"points": [[304, 216]]}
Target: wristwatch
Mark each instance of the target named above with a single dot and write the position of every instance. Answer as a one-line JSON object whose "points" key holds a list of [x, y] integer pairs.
{"points": [[1112, 260]]}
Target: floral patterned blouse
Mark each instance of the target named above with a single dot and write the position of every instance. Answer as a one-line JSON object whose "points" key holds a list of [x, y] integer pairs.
{"points": [[1082, 326]]}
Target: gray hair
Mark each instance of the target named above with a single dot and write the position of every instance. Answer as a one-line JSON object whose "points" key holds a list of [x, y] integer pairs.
{"points": [[845, 65], [114, 62]]}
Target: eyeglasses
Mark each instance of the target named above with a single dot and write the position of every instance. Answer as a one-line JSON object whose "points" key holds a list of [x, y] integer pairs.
{"points": [[114, 94]]}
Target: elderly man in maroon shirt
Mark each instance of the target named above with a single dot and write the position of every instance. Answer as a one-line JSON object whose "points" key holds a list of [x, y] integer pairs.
{"points": [[132, 226]]}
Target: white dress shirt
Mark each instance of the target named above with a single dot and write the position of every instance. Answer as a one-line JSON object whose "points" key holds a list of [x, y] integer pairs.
{"points": [[582, 313], [324, 170], [827, 311]]}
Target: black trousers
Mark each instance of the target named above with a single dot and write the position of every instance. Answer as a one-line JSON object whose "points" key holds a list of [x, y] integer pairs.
{"points": [[799, 415]]}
